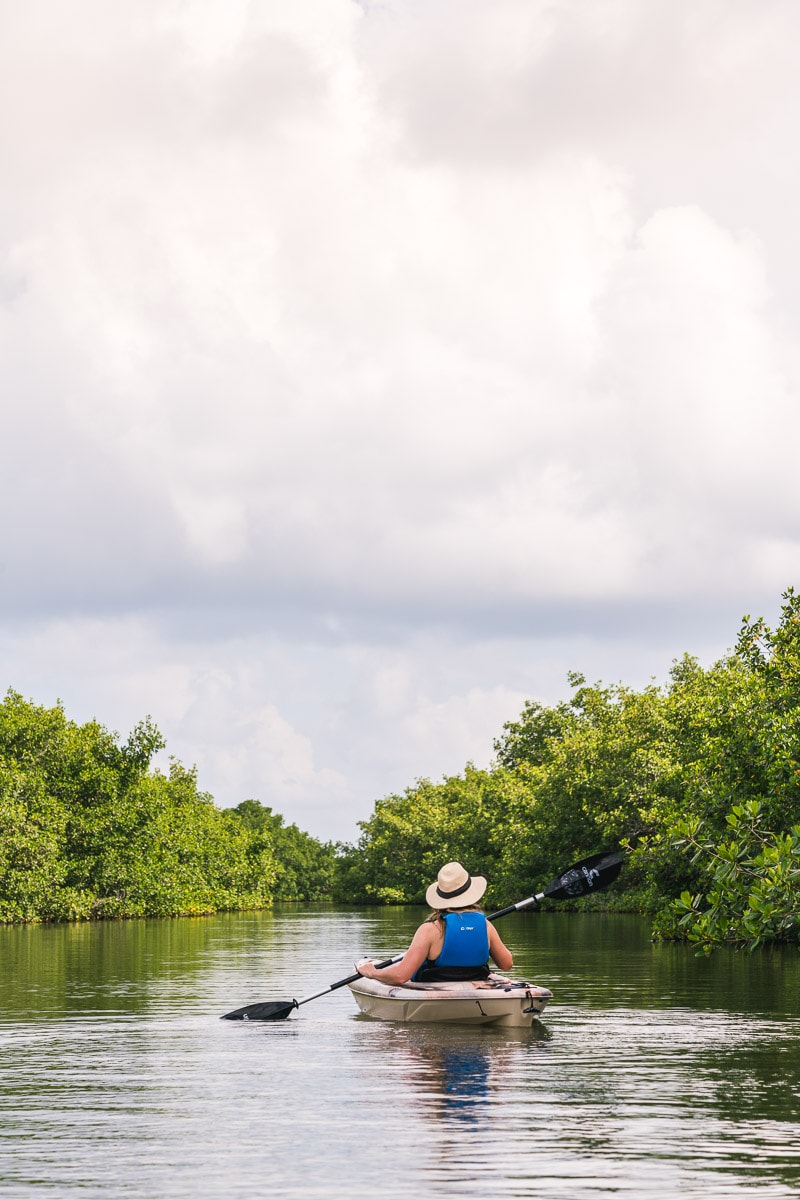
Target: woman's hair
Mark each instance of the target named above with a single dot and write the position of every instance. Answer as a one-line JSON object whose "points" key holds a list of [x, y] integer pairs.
{"points": [[439, 914]]}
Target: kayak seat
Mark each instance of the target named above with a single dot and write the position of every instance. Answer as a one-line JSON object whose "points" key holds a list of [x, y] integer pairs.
{"points": [[451, 974]]}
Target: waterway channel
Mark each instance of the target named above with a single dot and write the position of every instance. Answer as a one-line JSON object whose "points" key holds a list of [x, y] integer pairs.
{"points": [[653, 1073]]}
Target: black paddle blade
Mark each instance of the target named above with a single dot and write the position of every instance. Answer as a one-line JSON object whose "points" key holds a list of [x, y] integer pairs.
{"points": [[268, 1010], [589, 875]]}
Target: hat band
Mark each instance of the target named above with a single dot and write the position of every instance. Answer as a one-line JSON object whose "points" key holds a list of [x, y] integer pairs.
{"points": [[458, 892]]}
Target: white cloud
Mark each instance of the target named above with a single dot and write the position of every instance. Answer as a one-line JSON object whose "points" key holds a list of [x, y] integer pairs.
{"points": [[350, 340]]}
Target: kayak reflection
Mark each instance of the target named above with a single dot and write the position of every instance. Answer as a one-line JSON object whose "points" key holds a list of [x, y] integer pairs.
{"points": [[457, 1072]]}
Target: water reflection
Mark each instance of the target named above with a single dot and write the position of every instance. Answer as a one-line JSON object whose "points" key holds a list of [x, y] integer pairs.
{"points": [[464, 1076], [457, 1072], [653, 1073]]}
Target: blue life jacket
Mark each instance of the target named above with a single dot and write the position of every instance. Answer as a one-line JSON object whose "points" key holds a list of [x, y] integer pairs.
{"points": [[465, 952]]}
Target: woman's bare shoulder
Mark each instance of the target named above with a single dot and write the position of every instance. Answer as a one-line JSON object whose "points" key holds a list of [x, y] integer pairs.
{"points": [[425, 932]]}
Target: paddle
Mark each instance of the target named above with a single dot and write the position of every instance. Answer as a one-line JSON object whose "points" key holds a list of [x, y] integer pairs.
{"points": [[591, 874]]}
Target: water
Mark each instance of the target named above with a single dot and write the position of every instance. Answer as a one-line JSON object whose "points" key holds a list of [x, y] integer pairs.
{"points": [[653, 1073]]}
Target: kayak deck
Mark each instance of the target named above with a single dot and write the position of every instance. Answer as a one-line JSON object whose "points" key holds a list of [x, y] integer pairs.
{"points": [[492, 1001]]}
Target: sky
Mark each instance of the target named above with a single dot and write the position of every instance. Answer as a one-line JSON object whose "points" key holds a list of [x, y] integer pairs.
{"points": [[366, 367]]}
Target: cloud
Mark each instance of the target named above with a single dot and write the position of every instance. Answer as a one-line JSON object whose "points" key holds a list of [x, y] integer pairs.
{"points": [[340, 343]]}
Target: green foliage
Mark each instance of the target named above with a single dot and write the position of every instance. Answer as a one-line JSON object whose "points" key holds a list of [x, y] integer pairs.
{"points": [[534, 737], [753, 880], [607, 777], [304, 865], [410, 836], [32, 827], [89, 830], [618, 767]]}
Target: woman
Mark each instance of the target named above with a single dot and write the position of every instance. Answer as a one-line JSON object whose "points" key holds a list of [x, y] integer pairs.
{"points": [[455, 942]]}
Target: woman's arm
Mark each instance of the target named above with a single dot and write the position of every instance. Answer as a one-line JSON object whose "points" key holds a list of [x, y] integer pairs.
{"points": [[499, 952], [411, 961]]}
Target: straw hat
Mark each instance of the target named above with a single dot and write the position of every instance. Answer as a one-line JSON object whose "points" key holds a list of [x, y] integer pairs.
{"points": [[455, 888]]}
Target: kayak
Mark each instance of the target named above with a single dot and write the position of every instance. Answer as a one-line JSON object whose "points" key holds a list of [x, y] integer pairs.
{"points": [[493, 1001]]}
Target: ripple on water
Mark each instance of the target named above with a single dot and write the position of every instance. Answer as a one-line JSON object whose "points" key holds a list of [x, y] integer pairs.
{"points": [[652, 1075]]}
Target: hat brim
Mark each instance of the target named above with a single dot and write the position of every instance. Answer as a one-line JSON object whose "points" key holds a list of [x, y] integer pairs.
{"points": [[471, 896]]}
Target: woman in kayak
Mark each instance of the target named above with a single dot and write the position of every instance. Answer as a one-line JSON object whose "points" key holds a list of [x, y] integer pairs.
{"points": [[456, 941]]}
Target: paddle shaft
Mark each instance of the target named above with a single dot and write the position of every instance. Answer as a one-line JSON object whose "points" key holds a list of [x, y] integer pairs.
{"points": [[340, 983], [501, 912]]}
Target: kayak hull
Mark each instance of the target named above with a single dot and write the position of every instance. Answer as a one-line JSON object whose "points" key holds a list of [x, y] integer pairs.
{"points": [[493, 1001]]}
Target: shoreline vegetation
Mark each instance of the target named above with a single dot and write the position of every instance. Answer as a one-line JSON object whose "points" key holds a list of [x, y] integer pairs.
{"points": [[697, 780]]}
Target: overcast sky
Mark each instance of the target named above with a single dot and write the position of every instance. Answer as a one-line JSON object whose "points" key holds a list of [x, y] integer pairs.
{"points": [[367, 366]]}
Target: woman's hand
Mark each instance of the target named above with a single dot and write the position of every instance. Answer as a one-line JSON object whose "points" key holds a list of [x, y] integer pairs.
{"points": [[412, 960]]}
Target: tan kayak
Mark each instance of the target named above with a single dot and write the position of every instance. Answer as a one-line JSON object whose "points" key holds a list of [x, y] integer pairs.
{"points": [[492, 1001]]}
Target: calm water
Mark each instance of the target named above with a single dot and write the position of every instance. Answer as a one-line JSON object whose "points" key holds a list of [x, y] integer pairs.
{"points": [[653, 1073]]}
